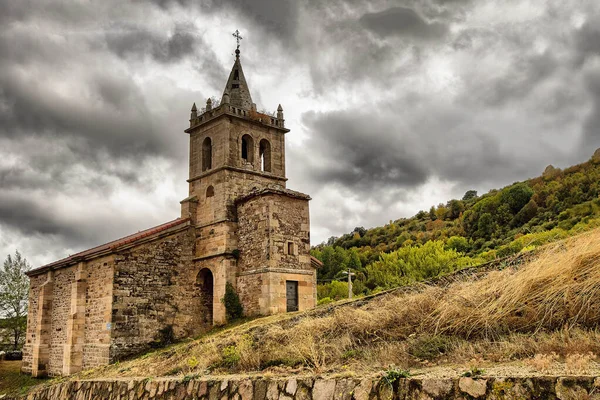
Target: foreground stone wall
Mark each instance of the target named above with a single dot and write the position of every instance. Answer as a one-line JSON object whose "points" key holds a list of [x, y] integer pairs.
{"points": [[563, 388]]}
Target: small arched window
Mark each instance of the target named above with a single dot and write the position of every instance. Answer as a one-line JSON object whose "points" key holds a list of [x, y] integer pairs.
{"points": [[206, 154], [265, 155], [247, 148], [210, 191]]}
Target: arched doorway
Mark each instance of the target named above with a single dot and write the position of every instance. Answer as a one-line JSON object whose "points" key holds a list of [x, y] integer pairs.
{"points": [[204, 286]]}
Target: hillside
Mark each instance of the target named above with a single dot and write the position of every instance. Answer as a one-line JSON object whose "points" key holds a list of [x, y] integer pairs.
{"points": [[464, 232], [534, 318]]}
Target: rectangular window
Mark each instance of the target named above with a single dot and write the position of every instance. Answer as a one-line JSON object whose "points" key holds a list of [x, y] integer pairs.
{"points": [[290, 248]]}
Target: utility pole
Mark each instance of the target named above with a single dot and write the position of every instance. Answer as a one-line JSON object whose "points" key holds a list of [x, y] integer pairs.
{"points": [[350, 275]]}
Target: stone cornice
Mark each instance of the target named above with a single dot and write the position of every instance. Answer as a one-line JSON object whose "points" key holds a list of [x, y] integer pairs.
{"points": [[277, 270], [236, 169]]}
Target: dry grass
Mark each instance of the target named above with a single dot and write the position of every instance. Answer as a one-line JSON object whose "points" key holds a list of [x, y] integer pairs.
{"points": [[548, 306]]}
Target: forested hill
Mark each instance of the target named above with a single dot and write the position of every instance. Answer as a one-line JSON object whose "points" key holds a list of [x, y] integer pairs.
{"points": [[464, 232]]}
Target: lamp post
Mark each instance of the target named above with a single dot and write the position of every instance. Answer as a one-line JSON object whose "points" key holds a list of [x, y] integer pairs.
{"points": [[350, 275]]}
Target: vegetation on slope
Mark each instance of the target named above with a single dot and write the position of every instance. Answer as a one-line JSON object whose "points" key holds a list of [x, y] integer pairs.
{"points": [[469, 231], [13, 382], [542, 311]]}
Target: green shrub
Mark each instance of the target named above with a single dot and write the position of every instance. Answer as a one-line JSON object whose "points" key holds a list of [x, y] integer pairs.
{"points": [[429, 347], [233, 306], [288, 362], [393, 374], [473, 372], [230, 357], [324, 300]]}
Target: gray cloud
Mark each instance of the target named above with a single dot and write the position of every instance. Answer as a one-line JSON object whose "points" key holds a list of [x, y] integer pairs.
{"points": [[277, 19], [94, 97], [29, 217], [361, 152], [587, 40], [591, 138], [137, 41], [402, 21]]}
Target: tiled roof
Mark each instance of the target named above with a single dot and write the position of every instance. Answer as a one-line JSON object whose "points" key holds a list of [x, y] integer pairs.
{"points": [[107, 247], [315, 262]]}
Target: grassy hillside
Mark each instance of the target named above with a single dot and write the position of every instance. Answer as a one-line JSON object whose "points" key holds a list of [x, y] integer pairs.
{"points": [[538, 317], [469, 231]]}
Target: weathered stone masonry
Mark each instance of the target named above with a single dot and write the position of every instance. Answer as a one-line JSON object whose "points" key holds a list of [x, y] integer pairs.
{"points": [[239, 225], [318, 388]]}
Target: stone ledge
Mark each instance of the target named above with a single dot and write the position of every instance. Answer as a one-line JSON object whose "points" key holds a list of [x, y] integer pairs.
{"points": [[277, 270], [321, 388]]}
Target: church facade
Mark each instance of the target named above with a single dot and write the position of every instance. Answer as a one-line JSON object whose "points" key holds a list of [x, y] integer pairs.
{"points": [[239, 225]]}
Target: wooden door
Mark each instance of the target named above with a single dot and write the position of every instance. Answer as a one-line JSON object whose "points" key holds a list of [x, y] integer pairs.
{"points": [[291, 291]]}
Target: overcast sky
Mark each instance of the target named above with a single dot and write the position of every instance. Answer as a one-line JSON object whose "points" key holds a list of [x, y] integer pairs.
{"points": [[393, 106]]}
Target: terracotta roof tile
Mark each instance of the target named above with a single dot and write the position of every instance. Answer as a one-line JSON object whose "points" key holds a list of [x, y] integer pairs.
{"points": [[111, 245]]}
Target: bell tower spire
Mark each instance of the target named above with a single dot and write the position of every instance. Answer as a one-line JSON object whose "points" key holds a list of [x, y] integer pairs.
{"points": [[236, 87]]}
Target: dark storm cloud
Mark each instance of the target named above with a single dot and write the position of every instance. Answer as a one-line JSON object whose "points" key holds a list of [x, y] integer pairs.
{"points": [[527, 72], [591, 138], [402, 21], [362, 151], [278, 19], [112, 122], [587, 40], [30, 217], [137, 42]]}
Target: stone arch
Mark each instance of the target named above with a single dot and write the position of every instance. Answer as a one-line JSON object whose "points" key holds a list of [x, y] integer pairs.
{"points": [[206, 154], [205, 288], [247, 151], [265, 155], [210, 191]]}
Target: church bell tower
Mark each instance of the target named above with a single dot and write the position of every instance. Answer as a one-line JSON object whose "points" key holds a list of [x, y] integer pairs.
{"points": [[237, 201]]}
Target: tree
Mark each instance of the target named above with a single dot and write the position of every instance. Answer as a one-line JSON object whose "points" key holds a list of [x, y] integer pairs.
{"points": [[458, 243], [516, 196], [469, 195], [360, 230], [455, 207], [432, 215], [14, 291], [485, 225]]}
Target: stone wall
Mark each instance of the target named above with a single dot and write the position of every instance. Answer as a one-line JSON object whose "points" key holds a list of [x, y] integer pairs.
{"points": [[153, 293], [69, 319], [31, 337], [61, 307], [302, 388], [274, 245], [96, 350]]}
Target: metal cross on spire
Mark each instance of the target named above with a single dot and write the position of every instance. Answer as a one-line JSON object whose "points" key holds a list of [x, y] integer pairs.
{"points": [[237, 37]]}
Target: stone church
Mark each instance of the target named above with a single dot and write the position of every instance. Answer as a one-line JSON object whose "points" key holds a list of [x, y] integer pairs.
{"points": [[239, 224]]}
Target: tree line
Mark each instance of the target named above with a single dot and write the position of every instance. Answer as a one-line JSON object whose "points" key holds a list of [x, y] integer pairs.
{"points": [[462, 232]]}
